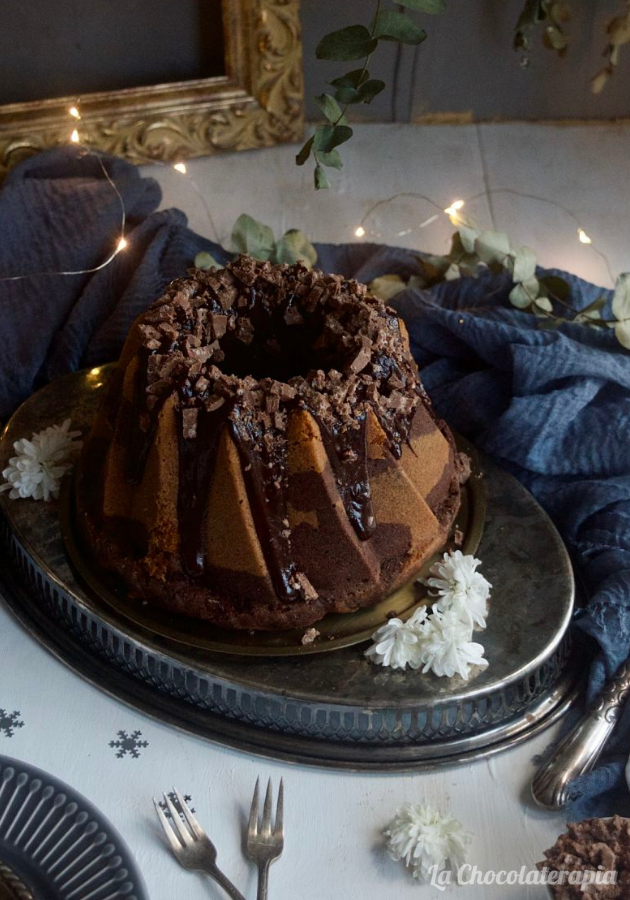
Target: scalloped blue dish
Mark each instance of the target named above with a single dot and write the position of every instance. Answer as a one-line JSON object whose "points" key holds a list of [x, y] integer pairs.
{"points": [[58, 843]]}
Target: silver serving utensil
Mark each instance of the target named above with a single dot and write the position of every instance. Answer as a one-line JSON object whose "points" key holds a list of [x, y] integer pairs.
{"points": [[579, 750], [264, 844], [191, 846]]}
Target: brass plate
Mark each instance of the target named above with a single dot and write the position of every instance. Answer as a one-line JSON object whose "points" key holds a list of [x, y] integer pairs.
{"points": [[327, 709], [335, 630]]}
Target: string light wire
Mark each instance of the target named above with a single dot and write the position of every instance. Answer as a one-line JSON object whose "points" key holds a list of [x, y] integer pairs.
{"points": [[121, 244], [453, 210], [360, 231]]}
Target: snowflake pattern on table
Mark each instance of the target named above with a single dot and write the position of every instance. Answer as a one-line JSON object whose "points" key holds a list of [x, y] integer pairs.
{"points": [[175, 802], [9, 722], [129, 744]]}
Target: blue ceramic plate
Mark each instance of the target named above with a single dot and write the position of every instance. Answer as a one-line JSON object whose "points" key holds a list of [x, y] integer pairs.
{"points": [[60, 845]]}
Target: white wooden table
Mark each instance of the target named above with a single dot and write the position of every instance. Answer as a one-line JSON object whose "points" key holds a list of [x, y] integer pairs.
{"points": [[334, 819]]}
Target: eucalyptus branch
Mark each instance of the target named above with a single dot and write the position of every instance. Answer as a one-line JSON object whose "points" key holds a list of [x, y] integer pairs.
{"points": [[548, 15], [618, 32], [356, 42]]}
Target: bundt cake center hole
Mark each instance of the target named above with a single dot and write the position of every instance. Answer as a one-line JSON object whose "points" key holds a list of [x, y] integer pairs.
{"points": [[265, 345]]}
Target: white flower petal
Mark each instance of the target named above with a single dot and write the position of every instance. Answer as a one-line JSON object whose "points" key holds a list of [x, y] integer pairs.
{"points": [[395, 645], [40, 463], [457, 584], [426, 840]]}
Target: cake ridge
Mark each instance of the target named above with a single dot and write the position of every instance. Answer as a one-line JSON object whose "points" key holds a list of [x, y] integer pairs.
{"points": [[242, 351]]}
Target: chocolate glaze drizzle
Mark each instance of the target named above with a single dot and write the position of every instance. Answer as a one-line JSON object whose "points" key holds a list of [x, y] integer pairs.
{"points": [[349, 460], [202, 333], [197, 460]]}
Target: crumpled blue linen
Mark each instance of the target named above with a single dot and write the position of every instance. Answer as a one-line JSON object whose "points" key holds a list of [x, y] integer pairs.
{"points": [[552, 407]]}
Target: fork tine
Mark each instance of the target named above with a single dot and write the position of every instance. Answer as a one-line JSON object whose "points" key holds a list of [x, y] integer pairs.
{"points": [[252, 825], [266, 818], [278, 828], [178, 825], [168, 831], [194, 825]]}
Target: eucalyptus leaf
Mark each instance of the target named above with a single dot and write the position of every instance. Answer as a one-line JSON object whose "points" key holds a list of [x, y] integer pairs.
{"points": [[492, 247], [387, 286], [523, 294], [320, 178], [557, 287], [370, 89], [332, 159], [331, 109], [252, 237], [395, 26], [351, 79], [543, 303], [327, 137], [432, 7], [621, 298], [205, 260], [305, 152], [599, 82], [622, 333], [468, 236], [347, 95], [555, 39], [294, 246], [524, 264], [353, 42], [452, 272]]}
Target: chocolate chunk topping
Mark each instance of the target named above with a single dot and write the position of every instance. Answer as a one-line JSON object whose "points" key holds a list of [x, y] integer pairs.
{"points": [[244, 346]]}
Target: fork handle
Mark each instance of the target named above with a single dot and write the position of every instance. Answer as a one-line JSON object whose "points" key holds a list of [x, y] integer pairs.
{"points": [[579, 750], [263, 878], [224, 882]]}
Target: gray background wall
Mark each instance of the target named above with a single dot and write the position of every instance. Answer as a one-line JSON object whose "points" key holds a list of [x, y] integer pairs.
{"points": [[467, 64]]}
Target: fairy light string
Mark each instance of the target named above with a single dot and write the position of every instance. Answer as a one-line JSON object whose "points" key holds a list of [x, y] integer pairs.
{"points": [[121, 243], [453, 211]]}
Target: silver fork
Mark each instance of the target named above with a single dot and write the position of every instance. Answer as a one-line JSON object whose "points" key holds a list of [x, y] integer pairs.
{"points": [[264, 842], [192, 847]]}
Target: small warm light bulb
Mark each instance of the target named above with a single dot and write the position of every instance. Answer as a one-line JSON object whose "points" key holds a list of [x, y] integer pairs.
{"points": [[74, 137], [95, 371], [180, 167], [583, 236], [360, 231], [452, 210], [74, 112], [122, 243]]}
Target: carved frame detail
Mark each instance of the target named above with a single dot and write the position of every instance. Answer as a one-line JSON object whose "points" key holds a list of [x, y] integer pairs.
{"points": [[258, 103]]}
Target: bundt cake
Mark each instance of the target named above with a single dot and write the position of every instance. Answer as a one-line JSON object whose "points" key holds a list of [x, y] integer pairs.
{"points": [[266, 453]]}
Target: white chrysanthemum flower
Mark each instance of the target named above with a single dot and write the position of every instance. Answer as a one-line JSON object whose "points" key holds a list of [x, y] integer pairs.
{"points": [[397, 645], [459, 586], [426, 840], [40, 463], [446, 646]]}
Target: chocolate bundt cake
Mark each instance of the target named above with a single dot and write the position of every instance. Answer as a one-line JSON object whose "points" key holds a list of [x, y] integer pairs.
{"points": [[266, 453]]}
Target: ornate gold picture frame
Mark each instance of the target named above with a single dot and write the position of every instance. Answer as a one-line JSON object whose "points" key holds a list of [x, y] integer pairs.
{"points": [[258, 102]]}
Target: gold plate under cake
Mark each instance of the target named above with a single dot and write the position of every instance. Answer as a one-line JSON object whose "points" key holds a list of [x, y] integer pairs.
{"points": [[336, 630], [78, 396]]}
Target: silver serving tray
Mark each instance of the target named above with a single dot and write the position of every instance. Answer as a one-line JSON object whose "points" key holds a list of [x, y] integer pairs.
{"points": [[334, 709]]}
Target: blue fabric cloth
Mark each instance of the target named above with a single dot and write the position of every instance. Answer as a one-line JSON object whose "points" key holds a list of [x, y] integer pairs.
{"points": [[553, 407]]}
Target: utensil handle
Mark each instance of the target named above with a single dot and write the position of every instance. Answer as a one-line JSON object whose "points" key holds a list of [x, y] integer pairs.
{"points": [[263, 878], [579, 750], [224, 882]]}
